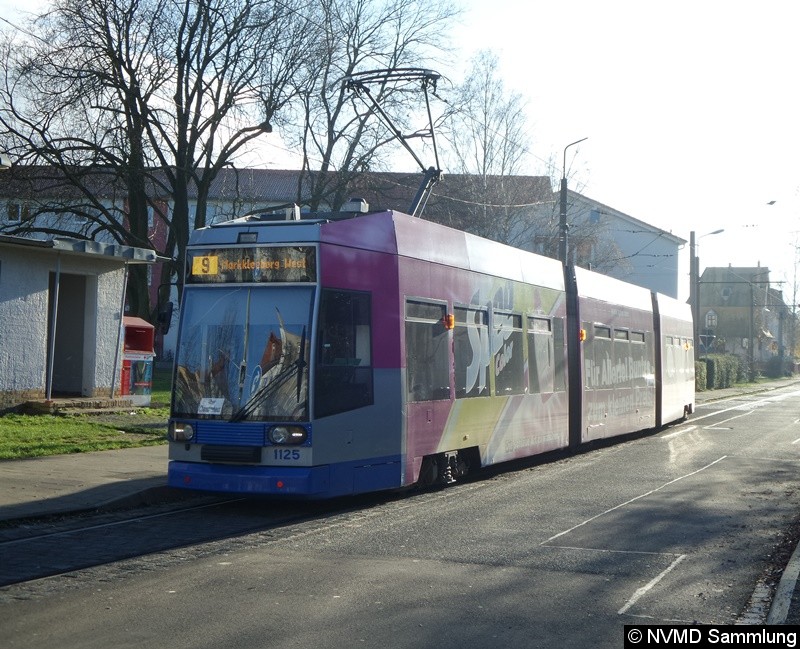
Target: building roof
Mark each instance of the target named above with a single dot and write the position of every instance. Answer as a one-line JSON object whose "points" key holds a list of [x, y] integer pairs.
{"points": [[735, 286], [387, 190], [637, 223], [82, 247]]}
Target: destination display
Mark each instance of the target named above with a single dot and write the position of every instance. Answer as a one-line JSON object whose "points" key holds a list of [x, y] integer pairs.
{"points": [[252, 265]]}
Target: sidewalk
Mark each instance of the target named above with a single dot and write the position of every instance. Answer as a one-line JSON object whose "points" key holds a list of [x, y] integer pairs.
{"points": [[716, 395], [66, 483]]}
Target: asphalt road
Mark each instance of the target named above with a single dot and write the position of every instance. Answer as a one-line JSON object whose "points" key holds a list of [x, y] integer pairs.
{"points": [[678, 526]]}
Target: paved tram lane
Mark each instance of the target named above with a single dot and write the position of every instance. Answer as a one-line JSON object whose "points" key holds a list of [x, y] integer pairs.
{"points": [[676, 526]]}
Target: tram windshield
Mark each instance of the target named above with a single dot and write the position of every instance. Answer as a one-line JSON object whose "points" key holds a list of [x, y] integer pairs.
{"points": [[243, 353]]}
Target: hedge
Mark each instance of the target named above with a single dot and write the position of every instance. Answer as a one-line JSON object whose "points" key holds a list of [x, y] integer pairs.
{"points": [[700, 376], [722, 371]]}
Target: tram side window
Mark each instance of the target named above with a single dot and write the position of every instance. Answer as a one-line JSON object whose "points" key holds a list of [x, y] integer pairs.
{"points": [[344, 353], [620, 376], [427, 357], [546, 362], [602, 354], [509, 361], [560, 374], [639, 363], [541, 354], [471, 349]]}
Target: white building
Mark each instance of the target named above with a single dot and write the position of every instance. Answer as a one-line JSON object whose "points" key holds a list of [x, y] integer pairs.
{"points": [[61, 307], [617, 244]]}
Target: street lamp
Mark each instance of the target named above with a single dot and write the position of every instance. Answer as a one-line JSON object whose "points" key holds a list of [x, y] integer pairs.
{"points": [[5, 162], [562, 223], [694, 282]]}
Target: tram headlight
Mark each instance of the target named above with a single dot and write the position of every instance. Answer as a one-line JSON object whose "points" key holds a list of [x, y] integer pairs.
{"points": [[180, 431], [287, 435]]}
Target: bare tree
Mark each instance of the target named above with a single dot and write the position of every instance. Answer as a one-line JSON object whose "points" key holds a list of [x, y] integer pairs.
{"points": [[341, 138], [488, 141], [154, 96]]}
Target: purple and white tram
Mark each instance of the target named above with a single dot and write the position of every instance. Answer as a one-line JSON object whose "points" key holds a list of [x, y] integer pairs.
{"points": [[318, 358]]}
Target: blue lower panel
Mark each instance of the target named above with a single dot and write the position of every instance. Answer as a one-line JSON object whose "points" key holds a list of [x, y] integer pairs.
{"points": [[326, 481]]}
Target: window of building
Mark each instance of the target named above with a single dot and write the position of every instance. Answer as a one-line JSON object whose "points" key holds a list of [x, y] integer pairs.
{"points": [[18, 211], [711, 320]]}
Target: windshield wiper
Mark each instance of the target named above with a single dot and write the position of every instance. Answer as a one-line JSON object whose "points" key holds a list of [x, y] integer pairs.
{"points": [[266, 391], [260, 395]]}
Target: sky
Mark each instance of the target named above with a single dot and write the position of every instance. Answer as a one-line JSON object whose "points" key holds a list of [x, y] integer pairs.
{"points": [[690, 108]]}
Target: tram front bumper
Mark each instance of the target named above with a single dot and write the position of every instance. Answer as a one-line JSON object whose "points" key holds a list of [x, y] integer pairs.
{"points": [[309, 482], [315, 482]]}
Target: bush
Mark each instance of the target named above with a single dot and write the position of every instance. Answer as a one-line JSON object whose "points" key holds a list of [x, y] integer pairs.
{"points": [[723, 370], [700, 376], [743, 374], [777, 368]]}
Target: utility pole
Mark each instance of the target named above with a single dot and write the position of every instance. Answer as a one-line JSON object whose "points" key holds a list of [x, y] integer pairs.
{"points": [[694, 292], [563, 227]]}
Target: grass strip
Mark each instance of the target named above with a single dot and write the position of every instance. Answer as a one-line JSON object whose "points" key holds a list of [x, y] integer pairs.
{"points": [[23, 436]]}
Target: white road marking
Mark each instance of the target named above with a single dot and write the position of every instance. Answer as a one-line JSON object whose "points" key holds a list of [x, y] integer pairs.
{"points": [[632, 500], [739, 407], [678, 432], [649, 586], [719, 425], [607, 551]]}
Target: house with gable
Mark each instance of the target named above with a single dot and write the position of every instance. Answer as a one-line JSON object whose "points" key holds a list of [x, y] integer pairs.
{"points": [[741, 313]]}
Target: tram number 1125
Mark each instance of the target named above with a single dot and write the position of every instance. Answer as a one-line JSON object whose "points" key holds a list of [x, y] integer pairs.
{"points": [[285, 454]]}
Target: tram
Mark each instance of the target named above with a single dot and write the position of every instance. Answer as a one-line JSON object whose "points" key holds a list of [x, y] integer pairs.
{"points": [[320, 356]]}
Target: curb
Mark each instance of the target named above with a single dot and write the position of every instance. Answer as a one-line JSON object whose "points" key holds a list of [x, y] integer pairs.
{"points": [[150, 496], [782, 601]]}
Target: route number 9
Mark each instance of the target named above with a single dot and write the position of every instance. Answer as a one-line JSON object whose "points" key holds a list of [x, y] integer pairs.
{"points": [[205, 265]]}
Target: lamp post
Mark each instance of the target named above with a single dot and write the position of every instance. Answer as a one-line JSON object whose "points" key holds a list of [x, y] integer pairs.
{"points": [[694, 283], [562, 222]]}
